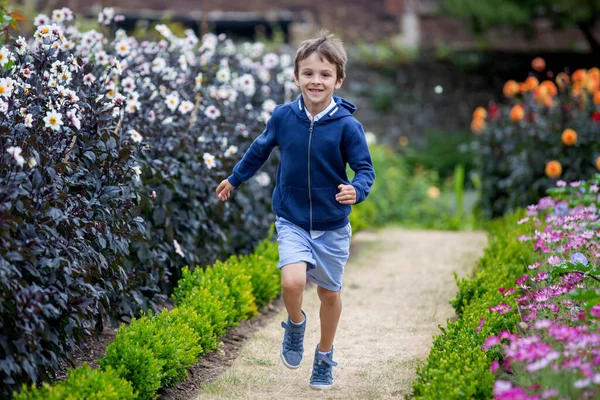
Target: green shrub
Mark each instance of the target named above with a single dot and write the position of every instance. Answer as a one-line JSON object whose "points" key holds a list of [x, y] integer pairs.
{"points": [[83, 383], [135, 362], [240, 289], [200, 323], [264, 275], [203, 301], [456, 367]]}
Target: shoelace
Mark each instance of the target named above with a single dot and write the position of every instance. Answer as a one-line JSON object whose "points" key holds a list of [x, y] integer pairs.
{"points": [[295, 336], [322, 367]]}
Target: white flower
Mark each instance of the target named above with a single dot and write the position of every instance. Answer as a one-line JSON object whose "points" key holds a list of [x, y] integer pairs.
{"points": [[58, 16], [270, 60], [21, 45], [199, 80], [65, 77], [164, 30], [122, 48], [89, 79], [128, 84], [209, 160], [212, 112], [53, 120], [6, 87], [135, 136], [263, 179], [31, 163], [73, 118], [132, 106], [223, 75], [183, 63], [41, 19], [186, 107], [16, 153], [371, 138], [4, 56], [269, 105], [285, 60], [172, 101], [201, 139], [28, 121], [231, 151], [167, 120], [102, 58], [106, 15], [158, 64], [178, 249], [137, 171]]}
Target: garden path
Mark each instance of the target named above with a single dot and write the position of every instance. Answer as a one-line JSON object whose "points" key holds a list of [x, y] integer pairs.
{"points": [[397, 287]]}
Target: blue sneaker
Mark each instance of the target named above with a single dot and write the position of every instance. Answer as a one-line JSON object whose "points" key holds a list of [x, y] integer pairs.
{"points": [[292, 347], [322, 372]]}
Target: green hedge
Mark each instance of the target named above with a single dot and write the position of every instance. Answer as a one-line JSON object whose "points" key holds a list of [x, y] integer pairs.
{"points": [[456, 367], [154, 351]]}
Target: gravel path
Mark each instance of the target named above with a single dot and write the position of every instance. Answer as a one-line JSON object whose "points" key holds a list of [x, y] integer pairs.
{"points": [[396, 291]]}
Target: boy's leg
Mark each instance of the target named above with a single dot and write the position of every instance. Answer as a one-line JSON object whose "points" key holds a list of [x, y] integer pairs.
{"points": [[293, 282], [331, 309]]}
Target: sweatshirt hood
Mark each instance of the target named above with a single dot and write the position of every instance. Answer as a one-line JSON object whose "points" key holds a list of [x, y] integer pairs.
{"points": [[343, 108]]}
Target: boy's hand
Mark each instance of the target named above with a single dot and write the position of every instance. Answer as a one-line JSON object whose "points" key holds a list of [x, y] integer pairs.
{"points": [[347, 194], [224, 190]]}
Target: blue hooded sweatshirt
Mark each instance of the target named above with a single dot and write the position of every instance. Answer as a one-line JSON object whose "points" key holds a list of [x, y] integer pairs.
{"points": [[313, 163]]}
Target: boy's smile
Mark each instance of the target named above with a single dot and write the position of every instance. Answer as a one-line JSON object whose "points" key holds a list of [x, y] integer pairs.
{"points": [[317, 80]]}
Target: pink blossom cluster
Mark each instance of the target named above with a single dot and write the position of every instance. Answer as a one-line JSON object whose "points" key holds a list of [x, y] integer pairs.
{"points": [[556, 352]]}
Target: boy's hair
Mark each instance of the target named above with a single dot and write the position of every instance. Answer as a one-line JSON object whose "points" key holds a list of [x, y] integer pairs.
{"points": [[325, 45]]}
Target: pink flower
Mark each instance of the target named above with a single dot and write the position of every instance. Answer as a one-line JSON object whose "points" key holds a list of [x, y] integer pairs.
{"points": [[481, 322], [494, 366], [490, 342]]}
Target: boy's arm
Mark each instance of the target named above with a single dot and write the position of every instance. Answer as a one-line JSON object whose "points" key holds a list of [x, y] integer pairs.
{"points": [[256, 156], [359, 159]]}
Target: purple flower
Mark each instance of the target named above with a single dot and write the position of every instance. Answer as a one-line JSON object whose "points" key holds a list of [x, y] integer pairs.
{"points": [[561, 209], [481, 322], [579, 258]]}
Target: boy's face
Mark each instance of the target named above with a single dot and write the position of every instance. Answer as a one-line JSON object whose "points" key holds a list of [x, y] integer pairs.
{"points": [[317, 79]]}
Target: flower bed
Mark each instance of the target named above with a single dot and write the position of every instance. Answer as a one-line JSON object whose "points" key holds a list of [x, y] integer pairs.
{"points": [[110, 154], [548, 130], [530, 314]]}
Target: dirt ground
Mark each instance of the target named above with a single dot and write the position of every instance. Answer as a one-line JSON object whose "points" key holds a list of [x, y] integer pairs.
{"points": [[397, 286]]}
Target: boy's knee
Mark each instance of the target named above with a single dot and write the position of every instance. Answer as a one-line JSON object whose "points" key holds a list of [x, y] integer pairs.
{"points": [[293, 285], [327, 296]]}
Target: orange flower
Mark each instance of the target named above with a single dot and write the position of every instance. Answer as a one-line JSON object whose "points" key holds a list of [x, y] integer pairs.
{"points": [[511, 88], [594, 73], [517, 113], [553, 169], [597, 98], [479, 112], [593, 84], [477, 125], [569, 137], [562, 80], [540, 94], [598, 163], [403, 141], [550, 87], [531, 83], [580, 76], [549, 101], [538, 64]]}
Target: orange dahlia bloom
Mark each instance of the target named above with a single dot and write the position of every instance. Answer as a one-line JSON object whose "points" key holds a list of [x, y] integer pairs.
{"points": [[593, 84], [569, 137], [531, 83], [511, 88], [553, 169], [594, 72], [549, 101], [480, 112], [550, 87], [538, 64], [477, 125], [598, 163], [580, 76], [597, 98], [517, 113]]}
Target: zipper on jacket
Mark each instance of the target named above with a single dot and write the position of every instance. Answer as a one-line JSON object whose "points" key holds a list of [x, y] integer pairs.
{"points": [[310, 131]]}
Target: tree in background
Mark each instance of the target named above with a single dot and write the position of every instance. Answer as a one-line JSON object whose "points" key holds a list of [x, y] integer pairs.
{"points": [[8, 19], [480, 15]]}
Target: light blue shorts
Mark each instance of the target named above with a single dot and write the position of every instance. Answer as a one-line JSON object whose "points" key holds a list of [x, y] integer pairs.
{"points": [[325, 255]]}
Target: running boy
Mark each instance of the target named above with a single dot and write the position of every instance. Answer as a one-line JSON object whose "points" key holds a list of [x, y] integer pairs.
{"points": [[317, 136]]}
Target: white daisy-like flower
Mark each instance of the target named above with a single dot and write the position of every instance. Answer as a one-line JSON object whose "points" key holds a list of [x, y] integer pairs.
{"points": [[31, 163], [135, 136], [263, 179], [65, 77], [201, 139], [164, 30], [158, 64], [41, 19], [271, 60], [122, 48], [178, 249], [28, 121], [186, 106], [183, 63], [43, 31], [199, 80], [4, 56], [285, 60], [133, 106], [21, 45], [89, 79], [223, 75], [269, 105], [102, 58], [137, 172], [128, 84], [72, 115], [6, 87], [209, 160], [15, 152], [172, 101], [231, 151], [58, 16], [212, 112], [26, 72], [53, 120], [167, 120]]}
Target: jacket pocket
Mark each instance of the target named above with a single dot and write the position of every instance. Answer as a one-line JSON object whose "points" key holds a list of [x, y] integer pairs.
{"points": [[293, 203], [325, 206]]}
